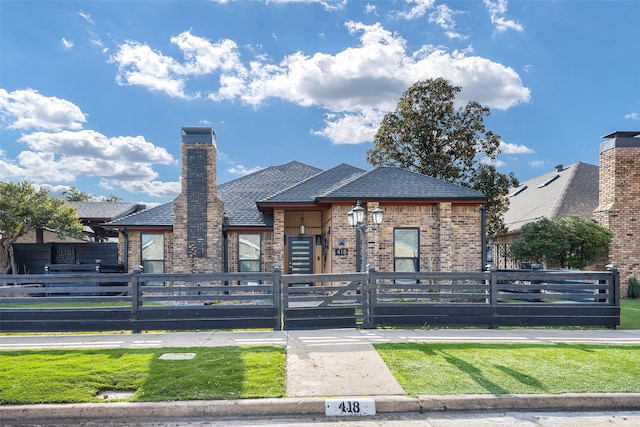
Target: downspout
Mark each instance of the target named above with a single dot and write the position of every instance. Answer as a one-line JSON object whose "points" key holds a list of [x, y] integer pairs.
{"points": [[125, 257], [483, 211], [225, 244]]}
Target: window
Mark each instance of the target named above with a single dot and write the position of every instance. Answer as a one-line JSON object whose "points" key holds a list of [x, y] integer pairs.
{"points": [[406, 249], [249, 252], [152, 254]]}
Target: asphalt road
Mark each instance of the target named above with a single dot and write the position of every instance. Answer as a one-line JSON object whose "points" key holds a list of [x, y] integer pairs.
{"points": [[433, 419]]}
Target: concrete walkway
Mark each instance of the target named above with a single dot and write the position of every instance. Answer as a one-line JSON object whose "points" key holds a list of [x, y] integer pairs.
{"points": [[323, 364]]}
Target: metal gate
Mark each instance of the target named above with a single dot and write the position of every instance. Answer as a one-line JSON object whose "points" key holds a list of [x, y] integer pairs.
{"points": [[333, 301]]}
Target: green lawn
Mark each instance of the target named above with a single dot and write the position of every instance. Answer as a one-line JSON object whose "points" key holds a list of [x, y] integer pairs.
{"points": [[66, 376], [423, 368], [630, 314]]}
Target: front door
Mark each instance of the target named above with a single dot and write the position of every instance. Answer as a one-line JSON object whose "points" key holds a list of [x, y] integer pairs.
{"points": [[300, 255]]}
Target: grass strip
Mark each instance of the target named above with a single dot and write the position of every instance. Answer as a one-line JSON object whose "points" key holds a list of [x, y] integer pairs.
{"points": [[466, 368], [630, 314], [78, 376]]}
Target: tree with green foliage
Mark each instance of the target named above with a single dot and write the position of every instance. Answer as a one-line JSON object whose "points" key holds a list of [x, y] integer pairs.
{"points": [[112, 198], [74, 194], [24, 209], [429, 135], [571, 242]]}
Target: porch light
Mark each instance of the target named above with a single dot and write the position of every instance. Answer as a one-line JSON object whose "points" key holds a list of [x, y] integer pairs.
{"points": [[303, 229], [357, 220], [378, 215]]}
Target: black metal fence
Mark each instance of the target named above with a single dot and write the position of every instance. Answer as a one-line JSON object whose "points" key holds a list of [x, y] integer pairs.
{"points": [[131, 301]]}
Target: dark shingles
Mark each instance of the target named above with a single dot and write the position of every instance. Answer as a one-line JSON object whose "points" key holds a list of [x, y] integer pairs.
{"points": [[241, 194], [105, 210], [392, 183], [157, 216], [295, 182], [323, 182]]}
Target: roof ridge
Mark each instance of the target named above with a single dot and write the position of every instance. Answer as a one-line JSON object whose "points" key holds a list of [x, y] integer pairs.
{"points": [[293, 185], [566, 185]]}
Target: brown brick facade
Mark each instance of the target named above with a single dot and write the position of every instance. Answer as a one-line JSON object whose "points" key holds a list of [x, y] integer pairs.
{"points": [[620, 203], [199, 250]]}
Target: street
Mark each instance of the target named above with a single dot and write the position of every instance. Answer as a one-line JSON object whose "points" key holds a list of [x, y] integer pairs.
{"points": [[433, 419]]}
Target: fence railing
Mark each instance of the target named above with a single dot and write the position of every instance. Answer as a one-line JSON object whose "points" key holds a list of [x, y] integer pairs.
{"points": [[132, 301]]}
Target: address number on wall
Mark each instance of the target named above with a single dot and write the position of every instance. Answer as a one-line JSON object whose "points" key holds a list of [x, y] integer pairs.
{"points": [[350, 407], [342, 252]]}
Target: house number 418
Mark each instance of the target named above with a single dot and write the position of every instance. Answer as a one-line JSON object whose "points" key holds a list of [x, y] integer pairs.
{"points": [[359, 407]]}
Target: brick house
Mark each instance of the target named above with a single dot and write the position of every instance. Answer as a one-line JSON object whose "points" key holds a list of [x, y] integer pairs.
{"points": [[608, 194], [296, 215]]}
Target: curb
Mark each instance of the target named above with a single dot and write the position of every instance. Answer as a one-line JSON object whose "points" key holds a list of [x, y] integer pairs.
{"points": [[316, 406]]}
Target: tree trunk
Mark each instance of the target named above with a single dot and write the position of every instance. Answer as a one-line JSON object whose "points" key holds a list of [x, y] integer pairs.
{"points": [[7, 259]]}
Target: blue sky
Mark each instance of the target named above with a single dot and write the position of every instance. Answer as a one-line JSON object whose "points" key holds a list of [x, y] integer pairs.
{"points": [[93, 93]]}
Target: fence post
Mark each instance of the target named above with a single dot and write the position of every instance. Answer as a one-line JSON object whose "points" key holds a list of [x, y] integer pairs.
{"points": [[135, 298], [367, 296], [493, 289], [277, 294]]}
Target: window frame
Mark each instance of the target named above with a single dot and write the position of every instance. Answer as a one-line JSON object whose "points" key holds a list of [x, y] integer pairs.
{"points": [[145, 261], [248, 261], [416, 258]]}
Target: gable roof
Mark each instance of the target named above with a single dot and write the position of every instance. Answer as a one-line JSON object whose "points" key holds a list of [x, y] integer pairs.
{"points": [[240, 195], [105, 211], [393, 183], [308, 191], [568, 190], [158, 216], [248, 200]]}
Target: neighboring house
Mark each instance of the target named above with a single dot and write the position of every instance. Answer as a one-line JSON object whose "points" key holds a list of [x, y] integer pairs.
{"points": [[565, 191], [92, 215], [608, 194], [41, 248], [295, 215]]}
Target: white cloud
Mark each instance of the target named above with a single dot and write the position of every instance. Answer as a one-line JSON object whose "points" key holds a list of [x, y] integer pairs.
{"points": [[492, 162], [417, 10], [497, 9], [632, 116], [507, 148], [444, 16], [329, 5], [151, 188], [355, 86], [28, 109], [242, 170], [91, 144], [537, 163], [66, 43], [351, 128], [138, 64], [86, 17]]}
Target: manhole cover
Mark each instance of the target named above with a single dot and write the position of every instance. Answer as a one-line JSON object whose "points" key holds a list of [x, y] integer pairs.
{"points": [[177, 356]]}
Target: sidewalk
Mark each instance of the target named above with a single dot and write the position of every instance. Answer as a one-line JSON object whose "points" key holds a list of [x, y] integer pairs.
{"points": [[324, 364]]}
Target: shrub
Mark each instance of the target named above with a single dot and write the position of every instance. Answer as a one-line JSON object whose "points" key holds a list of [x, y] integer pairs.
{"points": [[633, 290]]}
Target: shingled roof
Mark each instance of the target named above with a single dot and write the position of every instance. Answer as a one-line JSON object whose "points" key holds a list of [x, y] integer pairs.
{"points": [[158, 216], [240, 195], [392, 183], [248, 200], [105, 211], [568, 190]]}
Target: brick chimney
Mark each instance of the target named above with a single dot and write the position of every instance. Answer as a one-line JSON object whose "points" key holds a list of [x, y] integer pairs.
{"points": [[619, 200], [198, 211]]}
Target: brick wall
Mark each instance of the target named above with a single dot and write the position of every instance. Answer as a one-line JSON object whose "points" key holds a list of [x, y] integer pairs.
{"points": [[186, 258], [619, 204], [450, 236]]}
